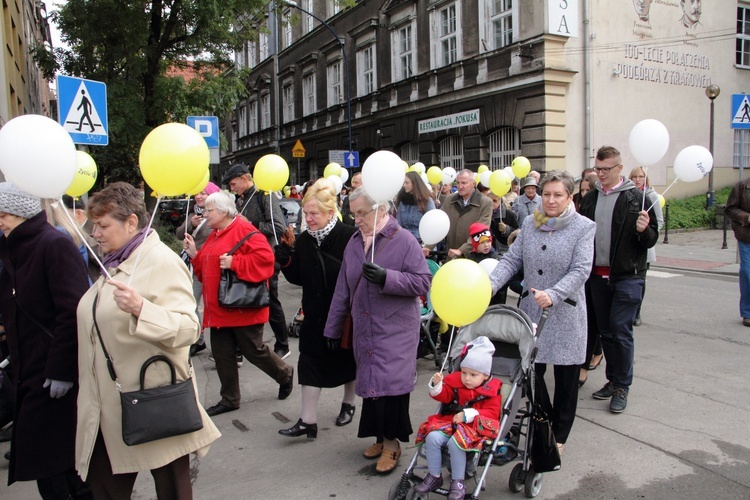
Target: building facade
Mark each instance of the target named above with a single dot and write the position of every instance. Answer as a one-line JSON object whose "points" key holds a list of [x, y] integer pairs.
{"points": [[467, 82]]}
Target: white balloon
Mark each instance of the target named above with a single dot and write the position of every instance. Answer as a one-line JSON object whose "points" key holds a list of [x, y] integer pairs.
{"points": [[337, 183], [449, 175], [434, 226], [649, 141], [37, 155], [383, 175], [344, 175], [425, 179], [488, 265], [693, 163], [419, 167], [509, 171], [484, 178]]}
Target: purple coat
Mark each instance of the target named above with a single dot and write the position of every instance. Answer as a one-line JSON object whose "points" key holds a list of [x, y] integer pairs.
{"points": [[386, 318]]}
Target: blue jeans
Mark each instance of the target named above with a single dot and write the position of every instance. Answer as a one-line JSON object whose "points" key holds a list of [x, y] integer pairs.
{"points": [[615, 306], [744, 278], [433, 443]]}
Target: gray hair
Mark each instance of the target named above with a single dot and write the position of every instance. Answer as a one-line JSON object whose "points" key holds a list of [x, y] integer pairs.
{"points": [[559, 176], [361, 193], [223, 202], [466, 171]]}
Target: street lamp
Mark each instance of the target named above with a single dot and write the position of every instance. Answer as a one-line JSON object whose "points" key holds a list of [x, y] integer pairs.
{"points": [[291, 3], [712, 92]]}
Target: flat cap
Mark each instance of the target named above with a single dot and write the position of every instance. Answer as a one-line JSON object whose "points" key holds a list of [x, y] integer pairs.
{"points": [[234, 171]]}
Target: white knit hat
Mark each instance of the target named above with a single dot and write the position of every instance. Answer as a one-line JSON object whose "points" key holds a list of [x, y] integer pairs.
{"points": [[477, 355], [17, 202]]}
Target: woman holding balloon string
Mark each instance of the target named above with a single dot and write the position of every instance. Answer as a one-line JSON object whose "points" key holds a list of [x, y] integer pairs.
{"points": [[555, 249], [412, 202]]}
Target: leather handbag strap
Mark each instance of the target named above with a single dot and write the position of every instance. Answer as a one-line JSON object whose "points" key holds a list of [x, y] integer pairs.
{"points": [[239, 244], [110, 363]]}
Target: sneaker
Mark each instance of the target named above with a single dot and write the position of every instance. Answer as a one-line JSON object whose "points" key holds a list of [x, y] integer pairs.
{"points": [[746, 321], [430, 483], [282, 352], [239, 360], [196, 348], [457, 490], [638, 321], [619, 400], [211, 358], [605, 392]]}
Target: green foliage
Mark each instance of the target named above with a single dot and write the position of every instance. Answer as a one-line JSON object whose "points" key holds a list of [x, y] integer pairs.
{"points": [[689, 213], [166, 235]]}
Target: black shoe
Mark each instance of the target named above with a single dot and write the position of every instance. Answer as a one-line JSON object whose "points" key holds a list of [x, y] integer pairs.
{"points": [[7, 455], [285, 389], [619, 400], [299, 429], [196, 348], [605, 392], [346, 415], [218, 409], [6, 434], [282, 351]]}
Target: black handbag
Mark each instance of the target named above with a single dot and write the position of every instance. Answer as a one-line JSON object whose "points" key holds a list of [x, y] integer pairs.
{"points": [[545, 457], [157, 413], [237, 293]]}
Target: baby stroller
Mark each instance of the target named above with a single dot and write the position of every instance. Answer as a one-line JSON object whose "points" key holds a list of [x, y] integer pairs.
{"points": [[428, 328], [512, 333]]}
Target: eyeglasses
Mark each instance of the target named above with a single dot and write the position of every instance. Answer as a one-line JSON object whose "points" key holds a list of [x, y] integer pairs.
{"points": [[362, 215], [606, 170]]}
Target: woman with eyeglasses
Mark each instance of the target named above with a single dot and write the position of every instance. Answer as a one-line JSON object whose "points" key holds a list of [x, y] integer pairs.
{"points": [[640, 179], [383, 299]]}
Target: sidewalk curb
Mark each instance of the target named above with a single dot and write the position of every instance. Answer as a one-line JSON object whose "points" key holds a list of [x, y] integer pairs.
{"points": [[698, 271]]}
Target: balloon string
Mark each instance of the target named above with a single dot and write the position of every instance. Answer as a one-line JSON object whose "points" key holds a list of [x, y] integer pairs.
{"points": [[145, 235], [83, 238], [187, 215], [374, 226], [450, 345], [663, 193], [270, 209]]}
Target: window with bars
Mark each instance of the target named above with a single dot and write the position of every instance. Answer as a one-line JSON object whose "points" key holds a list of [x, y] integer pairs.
{"points": [[404, 61], [447, 36], [741, 155], [252, 111], [452, 152], [410, 153], [743, 37], [287, 96], [366, 71], [308, 94], [505, 144], [335, 94], [265, 112]]}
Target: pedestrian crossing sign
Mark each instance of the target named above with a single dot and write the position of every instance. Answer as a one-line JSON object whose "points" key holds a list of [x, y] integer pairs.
{"points": [[82, 110], [741, 111]]}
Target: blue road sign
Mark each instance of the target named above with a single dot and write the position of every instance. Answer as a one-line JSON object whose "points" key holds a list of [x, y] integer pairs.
{"points": [[208, 127], [82, 110], [741, 111], [351, 159]]}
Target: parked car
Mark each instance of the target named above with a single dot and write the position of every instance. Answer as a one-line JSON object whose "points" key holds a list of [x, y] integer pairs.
{"points": [[292, 209]]}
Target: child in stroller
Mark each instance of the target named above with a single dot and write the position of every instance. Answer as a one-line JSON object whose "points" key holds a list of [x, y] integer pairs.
{"points": [[469, 415]]}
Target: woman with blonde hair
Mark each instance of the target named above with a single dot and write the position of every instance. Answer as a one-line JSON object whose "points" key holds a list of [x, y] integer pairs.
{"points": [[313, 262]]}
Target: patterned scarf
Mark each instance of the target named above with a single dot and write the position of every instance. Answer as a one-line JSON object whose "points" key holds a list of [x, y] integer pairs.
{"points": [[367, 237], [544, 223], [320, 234], [114, 259]]}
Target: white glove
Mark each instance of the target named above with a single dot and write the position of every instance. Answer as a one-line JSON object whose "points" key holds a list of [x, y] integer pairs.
{"points": [[58, 388]]}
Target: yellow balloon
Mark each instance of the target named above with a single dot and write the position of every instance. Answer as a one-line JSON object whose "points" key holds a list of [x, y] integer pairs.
{"points": [[461, 292], [500, 183], [85, 175], [173, 159], [521, 167], [483, 168], [434, 175], [271, 173], [662, 201], [406, 165], [201, 185], [477, 178], [332, 169]]}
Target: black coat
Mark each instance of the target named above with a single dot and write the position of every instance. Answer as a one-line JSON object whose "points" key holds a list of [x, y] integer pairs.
{"points": [[48, 275], [316, 273]]}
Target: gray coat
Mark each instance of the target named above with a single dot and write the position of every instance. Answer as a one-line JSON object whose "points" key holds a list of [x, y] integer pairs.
{"points": [[559, 263]]}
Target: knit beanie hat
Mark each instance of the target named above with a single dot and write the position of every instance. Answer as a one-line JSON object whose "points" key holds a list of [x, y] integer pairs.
{"points": [[17, 202], [479, 233], [211, 188], [477, 355]]}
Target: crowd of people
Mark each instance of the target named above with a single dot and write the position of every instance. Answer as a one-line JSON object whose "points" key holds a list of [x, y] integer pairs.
{"points": [[78, 332]]}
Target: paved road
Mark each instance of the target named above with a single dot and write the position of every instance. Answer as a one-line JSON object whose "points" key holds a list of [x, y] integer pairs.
{"points": [[684, 434]]}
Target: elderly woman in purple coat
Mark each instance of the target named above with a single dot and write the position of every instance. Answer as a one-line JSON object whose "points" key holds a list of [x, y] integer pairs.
{"points": [[383, 299]]}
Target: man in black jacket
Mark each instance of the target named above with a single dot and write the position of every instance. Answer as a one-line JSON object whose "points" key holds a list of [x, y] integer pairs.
{"points": [[624, 232], [738, 211]]}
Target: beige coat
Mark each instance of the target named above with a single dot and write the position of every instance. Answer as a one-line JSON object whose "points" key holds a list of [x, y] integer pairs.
{"points": [[167, 325]]}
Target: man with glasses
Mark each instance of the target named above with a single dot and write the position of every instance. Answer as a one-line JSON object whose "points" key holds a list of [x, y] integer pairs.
{"points": [[624, 233]]}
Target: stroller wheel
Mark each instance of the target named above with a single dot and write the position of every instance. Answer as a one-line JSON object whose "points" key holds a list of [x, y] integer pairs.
{"points": [[517, 479], [294, 328], [533, 484], [402, 489]]}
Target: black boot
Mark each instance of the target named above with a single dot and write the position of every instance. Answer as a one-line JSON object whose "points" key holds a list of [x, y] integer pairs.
{"points": [[346, 415], [299, 429]]}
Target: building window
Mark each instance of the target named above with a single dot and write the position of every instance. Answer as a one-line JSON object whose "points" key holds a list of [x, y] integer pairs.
{"points": [[743, 37], [447, 44], [265, 112], [287, 27], [741, 148], [252, 54], [240, 59], [307, 20], [335, 96], [333, 7], [242, 119], [452, 152], [252, 111], [505, 144], [403, 42], [410, 153], [308, 94], [263, 46], [366, 71], [499, 33], [287, 96]]}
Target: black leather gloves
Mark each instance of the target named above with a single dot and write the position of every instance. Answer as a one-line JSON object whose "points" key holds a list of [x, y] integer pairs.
{"points": [[332, 344], [374, 273]]}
